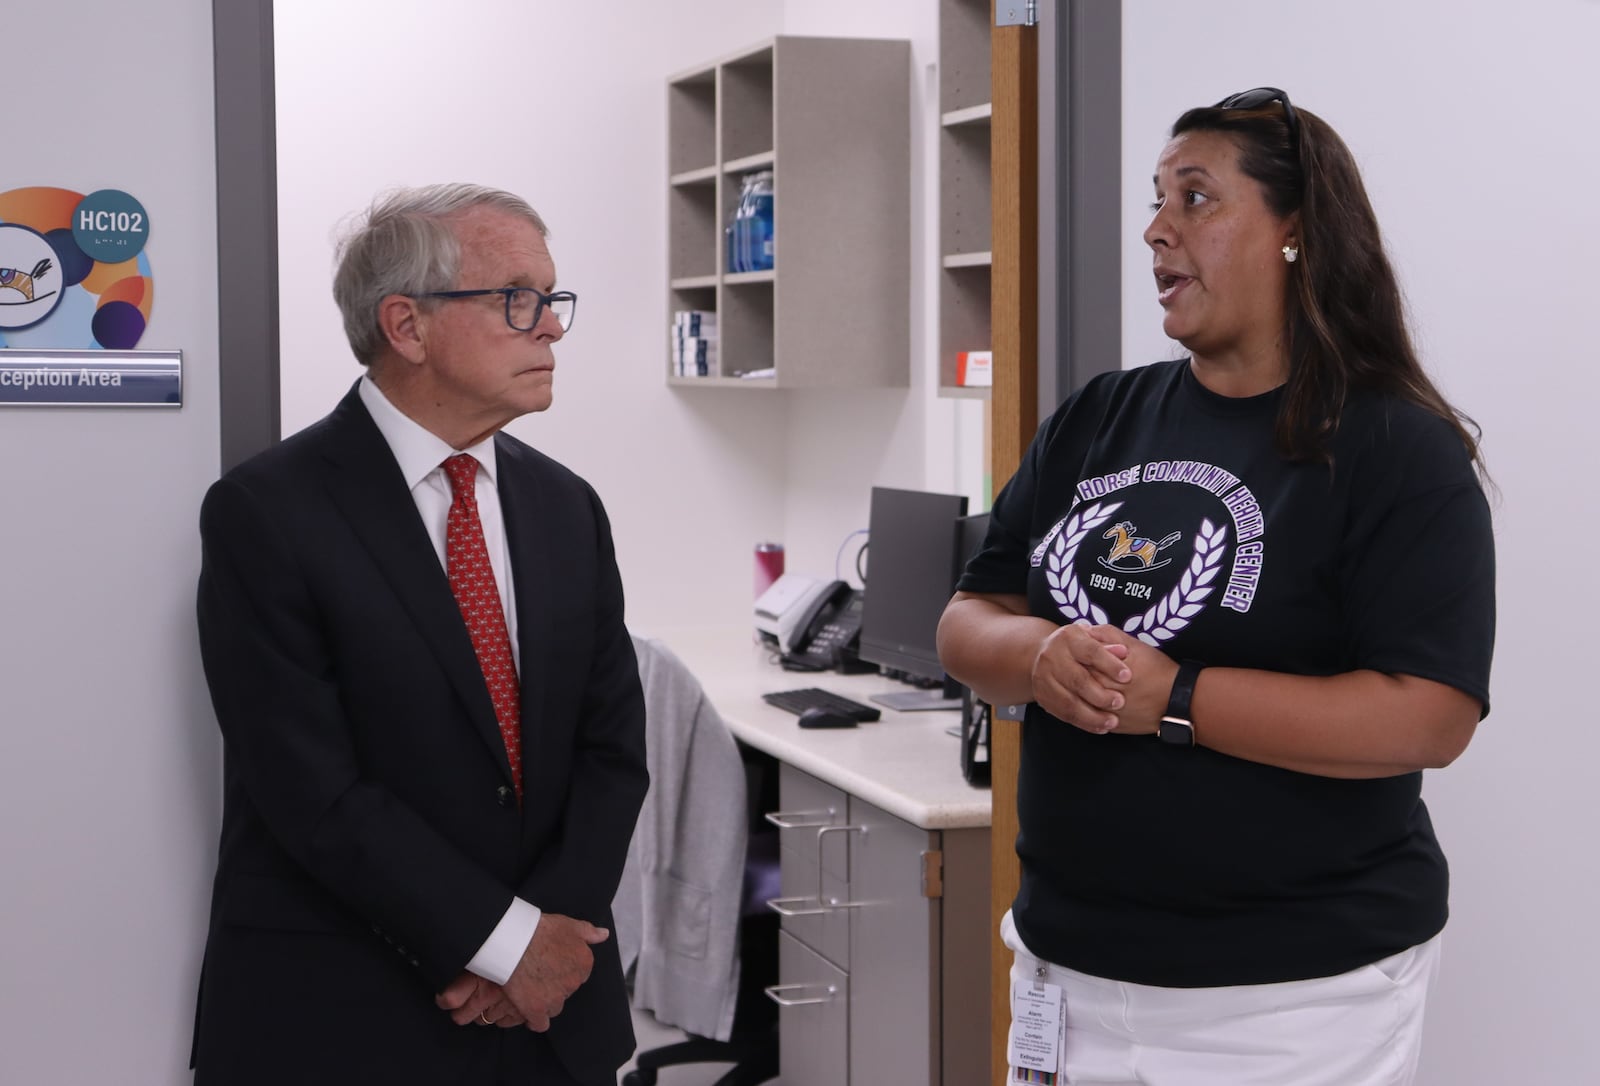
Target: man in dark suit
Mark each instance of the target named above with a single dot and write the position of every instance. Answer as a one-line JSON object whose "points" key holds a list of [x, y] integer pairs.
{"points": [[432, 721]]}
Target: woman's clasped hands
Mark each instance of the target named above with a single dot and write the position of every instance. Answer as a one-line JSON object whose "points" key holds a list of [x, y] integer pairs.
{"points": [[1102, 680]]}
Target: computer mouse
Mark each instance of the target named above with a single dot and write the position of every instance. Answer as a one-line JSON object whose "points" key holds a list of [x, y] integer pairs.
{"points": [[819, 717]]}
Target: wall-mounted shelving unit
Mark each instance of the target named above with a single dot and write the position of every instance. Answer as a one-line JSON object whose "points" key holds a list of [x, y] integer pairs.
{"points": [[831, 118]]}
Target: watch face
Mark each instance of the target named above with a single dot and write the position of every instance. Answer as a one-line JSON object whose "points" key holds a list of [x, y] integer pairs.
{"points": [[1178, 733]]}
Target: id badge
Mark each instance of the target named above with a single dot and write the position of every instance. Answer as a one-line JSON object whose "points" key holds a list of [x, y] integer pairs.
{"points": [[1037, 1027]]}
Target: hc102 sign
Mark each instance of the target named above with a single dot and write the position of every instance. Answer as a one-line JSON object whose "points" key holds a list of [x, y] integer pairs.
{"points": [[125, 222], [110, 226]]}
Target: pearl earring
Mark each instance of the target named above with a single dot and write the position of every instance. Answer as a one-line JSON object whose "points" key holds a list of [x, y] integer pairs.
{"points": [[1290, 253]]}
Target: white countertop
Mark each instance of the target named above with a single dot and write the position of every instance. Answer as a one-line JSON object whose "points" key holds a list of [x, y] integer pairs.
{"points": [[904, 763]]}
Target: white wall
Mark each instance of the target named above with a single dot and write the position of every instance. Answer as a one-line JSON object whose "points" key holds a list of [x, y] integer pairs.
{"points": [[843, 443], [1474, 125], [569, 110], [109, 763]]}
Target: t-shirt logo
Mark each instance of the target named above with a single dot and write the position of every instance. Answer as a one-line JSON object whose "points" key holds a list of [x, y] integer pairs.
{"points": [[1098, 567], [1131, 553]]}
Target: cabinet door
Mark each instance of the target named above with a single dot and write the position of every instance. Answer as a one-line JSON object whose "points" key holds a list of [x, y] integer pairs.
{"points": [[894, 952], [814, 1020]]}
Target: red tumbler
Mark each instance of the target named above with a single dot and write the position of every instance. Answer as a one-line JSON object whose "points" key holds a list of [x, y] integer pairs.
{"points": [[769, 566]]}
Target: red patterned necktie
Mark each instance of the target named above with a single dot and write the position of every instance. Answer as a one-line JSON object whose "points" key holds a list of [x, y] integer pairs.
{"points": [[472, 581]]}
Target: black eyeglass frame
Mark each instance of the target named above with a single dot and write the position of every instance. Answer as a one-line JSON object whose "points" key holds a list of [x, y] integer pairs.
{"points": [[1256, 97], [510, 293]]}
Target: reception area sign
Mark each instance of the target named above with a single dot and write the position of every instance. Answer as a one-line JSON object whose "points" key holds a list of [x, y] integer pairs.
{"points": [[91, 378]]}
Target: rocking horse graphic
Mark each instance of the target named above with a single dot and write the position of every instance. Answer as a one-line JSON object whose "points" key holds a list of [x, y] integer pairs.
{"points": [[1136, 554], [23, 282]]}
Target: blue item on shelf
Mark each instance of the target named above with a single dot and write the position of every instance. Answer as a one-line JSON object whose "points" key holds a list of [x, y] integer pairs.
{"points": [[750, 236], [760, 223]]}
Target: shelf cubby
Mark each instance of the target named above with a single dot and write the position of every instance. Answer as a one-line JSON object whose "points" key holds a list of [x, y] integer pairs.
{"points": [[965, 219]]}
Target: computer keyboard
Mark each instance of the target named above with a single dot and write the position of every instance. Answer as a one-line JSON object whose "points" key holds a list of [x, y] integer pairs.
{"points": [[812, 697]]}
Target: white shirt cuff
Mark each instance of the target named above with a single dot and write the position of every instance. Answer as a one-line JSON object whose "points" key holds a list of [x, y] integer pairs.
{"points": [[497, 958]]}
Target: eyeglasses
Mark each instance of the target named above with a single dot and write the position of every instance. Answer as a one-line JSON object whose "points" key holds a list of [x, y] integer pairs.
{"points": [[524, 305], [1261, 96]]}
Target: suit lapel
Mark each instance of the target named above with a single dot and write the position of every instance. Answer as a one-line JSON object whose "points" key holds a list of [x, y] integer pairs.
{"points": [[522, 504], [368, 488]]}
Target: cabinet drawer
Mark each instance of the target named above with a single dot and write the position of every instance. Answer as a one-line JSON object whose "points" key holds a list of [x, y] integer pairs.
{"points": [[813, 804], [813, 1018], [808, 806]]}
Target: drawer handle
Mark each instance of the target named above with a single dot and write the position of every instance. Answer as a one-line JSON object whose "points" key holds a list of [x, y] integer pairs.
{"points": [[776, 993], [797, 906], [809, 906], [801, 820]]}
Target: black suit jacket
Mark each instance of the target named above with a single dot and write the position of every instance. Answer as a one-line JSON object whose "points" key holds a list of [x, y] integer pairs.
{"points": [[370, 838]]}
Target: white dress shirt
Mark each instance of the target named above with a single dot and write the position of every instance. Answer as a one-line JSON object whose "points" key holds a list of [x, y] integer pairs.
{"points": [[420, 454]]}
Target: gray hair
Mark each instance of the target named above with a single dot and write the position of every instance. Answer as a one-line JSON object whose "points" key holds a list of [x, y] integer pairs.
{"points": [[405, 244]]}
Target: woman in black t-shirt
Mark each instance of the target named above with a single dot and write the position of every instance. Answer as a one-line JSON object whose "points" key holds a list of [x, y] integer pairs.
{"points": [[1250, 597]]}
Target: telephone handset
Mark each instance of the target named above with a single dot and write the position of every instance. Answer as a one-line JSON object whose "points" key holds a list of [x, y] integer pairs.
{"points": [[830, 633]]}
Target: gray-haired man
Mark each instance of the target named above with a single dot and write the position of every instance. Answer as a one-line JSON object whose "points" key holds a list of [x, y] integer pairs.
{"points": [[412, 627]]}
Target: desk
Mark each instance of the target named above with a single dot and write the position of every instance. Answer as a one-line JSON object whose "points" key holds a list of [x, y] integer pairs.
{"points": [[884, 950]]}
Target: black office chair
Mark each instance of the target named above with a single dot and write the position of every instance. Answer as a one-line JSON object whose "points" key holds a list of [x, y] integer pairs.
{"points": [[752, 1046]]}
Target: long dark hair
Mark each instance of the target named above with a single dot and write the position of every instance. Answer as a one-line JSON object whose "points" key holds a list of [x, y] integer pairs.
{"points": [[1346, 324]]}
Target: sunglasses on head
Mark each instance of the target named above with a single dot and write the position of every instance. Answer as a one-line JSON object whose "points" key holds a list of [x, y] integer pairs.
{"points": [[1263, 96]]}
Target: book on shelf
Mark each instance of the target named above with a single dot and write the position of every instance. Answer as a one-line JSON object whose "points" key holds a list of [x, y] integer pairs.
{"points": [[975, 369], [694, 343], [694, 357], [694, 322]]}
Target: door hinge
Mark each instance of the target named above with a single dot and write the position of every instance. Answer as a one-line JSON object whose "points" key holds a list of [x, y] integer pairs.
{"points": [[1016, 13], [933, 873]]}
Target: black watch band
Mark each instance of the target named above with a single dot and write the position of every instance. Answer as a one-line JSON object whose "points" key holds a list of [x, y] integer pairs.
{"points": [[1177, 724]]}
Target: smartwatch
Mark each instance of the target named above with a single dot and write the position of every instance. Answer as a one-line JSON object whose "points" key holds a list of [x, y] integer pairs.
{"points": [[1177, 724]]}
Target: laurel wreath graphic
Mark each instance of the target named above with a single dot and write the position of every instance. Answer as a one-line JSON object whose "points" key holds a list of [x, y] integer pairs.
{"points": [[1187, 598], [1064, 587]]}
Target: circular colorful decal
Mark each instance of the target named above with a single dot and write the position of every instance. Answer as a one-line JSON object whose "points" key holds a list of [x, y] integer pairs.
{"points": [[97, 292]]}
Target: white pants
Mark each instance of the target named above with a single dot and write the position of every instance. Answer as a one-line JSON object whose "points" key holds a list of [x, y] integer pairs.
{"points": [[1362, 1028]]}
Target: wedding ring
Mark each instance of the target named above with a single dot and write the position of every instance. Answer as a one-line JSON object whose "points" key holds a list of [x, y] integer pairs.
{"points": [[484, 1018]]}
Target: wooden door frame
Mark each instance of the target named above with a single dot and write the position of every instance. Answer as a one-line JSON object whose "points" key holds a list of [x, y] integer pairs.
{"points": [[1055, 129], [1014, 414]]}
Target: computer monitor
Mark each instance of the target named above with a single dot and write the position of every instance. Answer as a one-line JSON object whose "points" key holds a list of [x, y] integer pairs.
{"points": [[970, 532], [913, 560]]}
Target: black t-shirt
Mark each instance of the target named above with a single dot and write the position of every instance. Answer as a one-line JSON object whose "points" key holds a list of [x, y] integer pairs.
{"points": [[1150, 502]]}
